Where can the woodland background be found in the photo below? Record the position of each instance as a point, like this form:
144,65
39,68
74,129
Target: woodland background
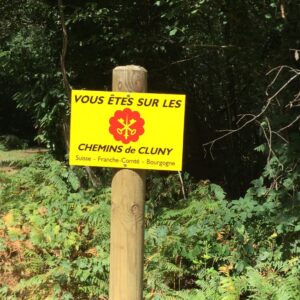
236,234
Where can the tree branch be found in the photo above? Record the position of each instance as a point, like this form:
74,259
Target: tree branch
182,185
254,118
66,128
64,50
289,125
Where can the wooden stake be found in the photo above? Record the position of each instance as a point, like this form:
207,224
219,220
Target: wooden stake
127,218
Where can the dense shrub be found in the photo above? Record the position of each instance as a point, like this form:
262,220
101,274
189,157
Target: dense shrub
55,240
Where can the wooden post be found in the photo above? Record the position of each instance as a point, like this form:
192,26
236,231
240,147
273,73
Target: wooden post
127,218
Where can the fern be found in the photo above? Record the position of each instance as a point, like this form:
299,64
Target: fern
55,237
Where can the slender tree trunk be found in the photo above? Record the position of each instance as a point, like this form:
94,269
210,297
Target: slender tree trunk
94,179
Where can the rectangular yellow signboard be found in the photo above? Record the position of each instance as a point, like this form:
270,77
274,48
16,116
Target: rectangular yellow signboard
127,130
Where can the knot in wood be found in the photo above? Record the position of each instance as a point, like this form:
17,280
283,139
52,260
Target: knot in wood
135,209
120,85
138,85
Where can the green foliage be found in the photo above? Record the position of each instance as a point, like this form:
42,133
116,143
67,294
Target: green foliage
59,234
216,52
8,142
204,247
220,250
55,232
31,62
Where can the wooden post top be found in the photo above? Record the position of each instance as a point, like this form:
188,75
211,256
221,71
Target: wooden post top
129,78
130,67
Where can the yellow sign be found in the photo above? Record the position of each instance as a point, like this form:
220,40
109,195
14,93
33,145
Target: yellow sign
127,130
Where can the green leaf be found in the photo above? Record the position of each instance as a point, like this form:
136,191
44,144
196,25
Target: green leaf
173,32
3,53
218,191
261,148
261,191
297,227
288,183
74,181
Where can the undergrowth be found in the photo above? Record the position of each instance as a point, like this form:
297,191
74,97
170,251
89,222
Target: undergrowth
55,239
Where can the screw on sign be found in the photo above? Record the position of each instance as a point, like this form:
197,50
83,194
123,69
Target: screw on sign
126,125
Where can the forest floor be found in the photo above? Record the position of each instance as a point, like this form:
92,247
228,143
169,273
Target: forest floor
11,160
